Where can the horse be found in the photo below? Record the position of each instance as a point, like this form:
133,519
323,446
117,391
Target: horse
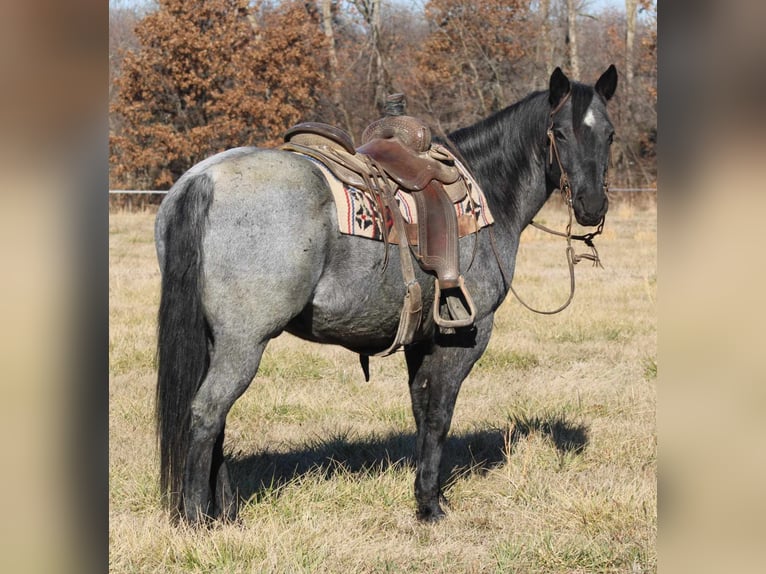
248,247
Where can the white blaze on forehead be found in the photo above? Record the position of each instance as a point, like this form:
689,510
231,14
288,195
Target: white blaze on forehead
589,119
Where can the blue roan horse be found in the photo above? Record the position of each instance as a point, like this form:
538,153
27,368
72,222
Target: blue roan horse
249,247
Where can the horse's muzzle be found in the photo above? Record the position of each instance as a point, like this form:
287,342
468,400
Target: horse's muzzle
589,212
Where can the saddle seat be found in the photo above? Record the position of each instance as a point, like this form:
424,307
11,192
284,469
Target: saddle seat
410,169
397,152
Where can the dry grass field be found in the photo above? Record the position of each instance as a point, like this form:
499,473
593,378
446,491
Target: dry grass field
552,449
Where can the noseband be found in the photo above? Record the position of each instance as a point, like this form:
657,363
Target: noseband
566,193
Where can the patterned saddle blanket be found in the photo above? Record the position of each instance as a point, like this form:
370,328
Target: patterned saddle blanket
360,214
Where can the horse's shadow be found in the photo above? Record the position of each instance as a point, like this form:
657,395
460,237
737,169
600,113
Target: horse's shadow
465,454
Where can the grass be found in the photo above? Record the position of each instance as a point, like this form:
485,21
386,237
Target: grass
551,457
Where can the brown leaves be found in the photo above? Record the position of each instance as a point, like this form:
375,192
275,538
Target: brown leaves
471,50
203,81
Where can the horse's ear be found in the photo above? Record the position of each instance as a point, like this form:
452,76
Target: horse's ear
607,83
559,87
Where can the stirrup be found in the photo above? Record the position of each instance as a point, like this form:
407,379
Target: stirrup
460,317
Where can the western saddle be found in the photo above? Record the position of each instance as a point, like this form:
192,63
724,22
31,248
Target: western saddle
397,153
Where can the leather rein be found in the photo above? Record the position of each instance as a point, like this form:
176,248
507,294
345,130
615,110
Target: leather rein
587,238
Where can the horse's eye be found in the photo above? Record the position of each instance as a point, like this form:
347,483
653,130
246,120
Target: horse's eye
559,134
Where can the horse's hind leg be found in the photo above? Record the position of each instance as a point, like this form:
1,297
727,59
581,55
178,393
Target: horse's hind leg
436,374
224,501
206,489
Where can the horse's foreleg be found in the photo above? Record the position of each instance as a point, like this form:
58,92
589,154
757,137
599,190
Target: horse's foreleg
433,404
435,377
207,491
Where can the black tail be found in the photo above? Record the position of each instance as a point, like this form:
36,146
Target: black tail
183,334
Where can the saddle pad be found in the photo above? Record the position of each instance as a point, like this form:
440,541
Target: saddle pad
359,213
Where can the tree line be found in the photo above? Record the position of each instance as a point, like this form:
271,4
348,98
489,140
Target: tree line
189,78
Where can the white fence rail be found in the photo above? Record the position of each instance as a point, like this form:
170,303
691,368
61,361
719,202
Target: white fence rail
135,191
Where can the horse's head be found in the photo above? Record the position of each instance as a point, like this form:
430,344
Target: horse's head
580,135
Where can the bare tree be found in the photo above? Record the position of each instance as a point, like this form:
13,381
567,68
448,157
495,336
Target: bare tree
337,98
122,39
630,38
571,39
377,73
544,49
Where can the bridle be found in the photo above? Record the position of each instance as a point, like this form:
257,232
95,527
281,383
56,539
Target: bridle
566,193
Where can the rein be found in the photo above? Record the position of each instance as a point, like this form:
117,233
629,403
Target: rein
587,238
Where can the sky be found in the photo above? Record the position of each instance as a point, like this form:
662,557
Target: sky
619,4
608,4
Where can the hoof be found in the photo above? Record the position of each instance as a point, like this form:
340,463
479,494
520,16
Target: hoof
194,514
226,511
430,515
225,504
195,518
